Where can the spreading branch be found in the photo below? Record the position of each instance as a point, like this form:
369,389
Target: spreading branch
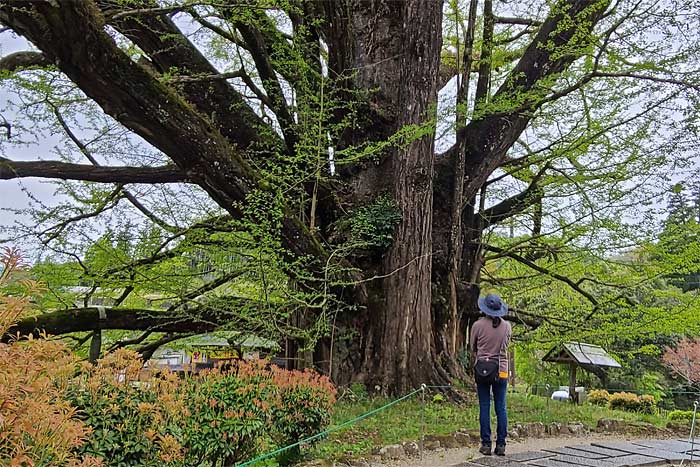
532,265
10,169
491,135
24,59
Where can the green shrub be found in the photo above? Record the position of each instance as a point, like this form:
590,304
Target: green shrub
300,408
647,404
632,402
599,397
131,425
681,415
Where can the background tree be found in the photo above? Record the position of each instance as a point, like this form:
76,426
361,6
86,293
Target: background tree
684,360
383,249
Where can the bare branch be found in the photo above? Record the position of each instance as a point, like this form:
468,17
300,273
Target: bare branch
124,342
532,265
521,21
656,79
86,152
149,349
107,203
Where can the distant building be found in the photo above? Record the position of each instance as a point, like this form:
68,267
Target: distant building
207,350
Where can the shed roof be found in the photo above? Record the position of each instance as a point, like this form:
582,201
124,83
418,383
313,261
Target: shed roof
226,339
583,354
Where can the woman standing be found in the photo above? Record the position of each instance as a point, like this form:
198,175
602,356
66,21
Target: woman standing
489,340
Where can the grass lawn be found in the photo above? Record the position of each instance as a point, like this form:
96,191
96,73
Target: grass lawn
402,422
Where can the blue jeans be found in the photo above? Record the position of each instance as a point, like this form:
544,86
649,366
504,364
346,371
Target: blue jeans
499,389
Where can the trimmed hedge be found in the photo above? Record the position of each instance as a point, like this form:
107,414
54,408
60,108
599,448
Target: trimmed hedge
632,402
599,397
623,401
681,415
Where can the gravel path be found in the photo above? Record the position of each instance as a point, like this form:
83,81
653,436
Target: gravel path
451,457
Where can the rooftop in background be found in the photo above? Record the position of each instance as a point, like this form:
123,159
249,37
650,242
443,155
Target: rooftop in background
583,354
225,339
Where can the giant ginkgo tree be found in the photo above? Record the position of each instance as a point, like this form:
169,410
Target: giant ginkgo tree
307,131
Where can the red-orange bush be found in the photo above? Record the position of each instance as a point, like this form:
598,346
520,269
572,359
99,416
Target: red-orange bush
37,425
219,417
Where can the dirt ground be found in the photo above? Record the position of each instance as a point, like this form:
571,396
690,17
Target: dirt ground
451,457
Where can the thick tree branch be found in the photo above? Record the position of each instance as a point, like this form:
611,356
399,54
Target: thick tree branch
169,50
512,206
515,204
130,319
72,34
258,49
26,59
10,169
492,134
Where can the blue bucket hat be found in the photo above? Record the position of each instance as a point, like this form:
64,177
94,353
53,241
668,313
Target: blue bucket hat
493,306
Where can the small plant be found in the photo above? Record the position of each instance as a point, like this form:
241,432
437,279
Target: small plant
681,415
599,397
374,224
215,417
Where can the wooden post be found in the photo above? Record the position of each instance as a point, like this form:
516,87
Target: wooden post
572,383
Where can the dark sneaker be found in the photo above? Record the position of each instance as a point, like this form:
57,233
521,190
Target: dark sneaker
485,449
500,450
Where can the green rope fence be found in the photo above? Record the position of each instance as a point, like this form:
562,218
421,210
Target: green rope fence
262,457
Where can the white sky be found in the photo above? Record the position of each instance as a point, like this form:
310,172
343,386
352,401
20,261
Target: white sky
11,191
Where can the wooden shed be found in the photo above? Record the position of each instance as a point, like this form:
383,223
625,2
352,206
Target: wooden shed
577,354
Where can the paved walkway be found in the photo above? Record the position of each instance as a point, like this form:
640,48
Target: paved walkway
641,452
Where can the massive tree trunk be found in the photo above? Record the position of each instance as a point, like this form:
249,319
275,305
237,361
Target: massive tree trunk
405,355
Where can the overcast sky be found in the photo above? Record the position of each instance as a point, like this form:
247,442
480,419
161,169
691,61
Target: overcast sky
12,195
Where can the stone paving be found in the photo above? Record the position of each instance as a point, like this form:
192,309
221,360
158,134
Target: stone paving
643,452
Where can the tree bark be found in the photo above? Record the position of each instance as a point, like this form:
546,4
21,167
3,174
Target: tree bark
401,355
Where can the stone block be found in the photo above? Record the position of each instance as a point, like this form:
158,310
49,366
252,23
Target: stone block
392,451
577,429
553,429
611,425
431,445
534,430
410,448
465,439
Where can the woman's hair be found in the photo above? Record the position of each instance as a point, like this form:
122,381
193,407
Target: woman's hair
495,320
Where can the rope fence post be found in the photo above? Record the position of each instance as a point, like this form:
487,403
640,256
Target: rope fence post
691,437
423,387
